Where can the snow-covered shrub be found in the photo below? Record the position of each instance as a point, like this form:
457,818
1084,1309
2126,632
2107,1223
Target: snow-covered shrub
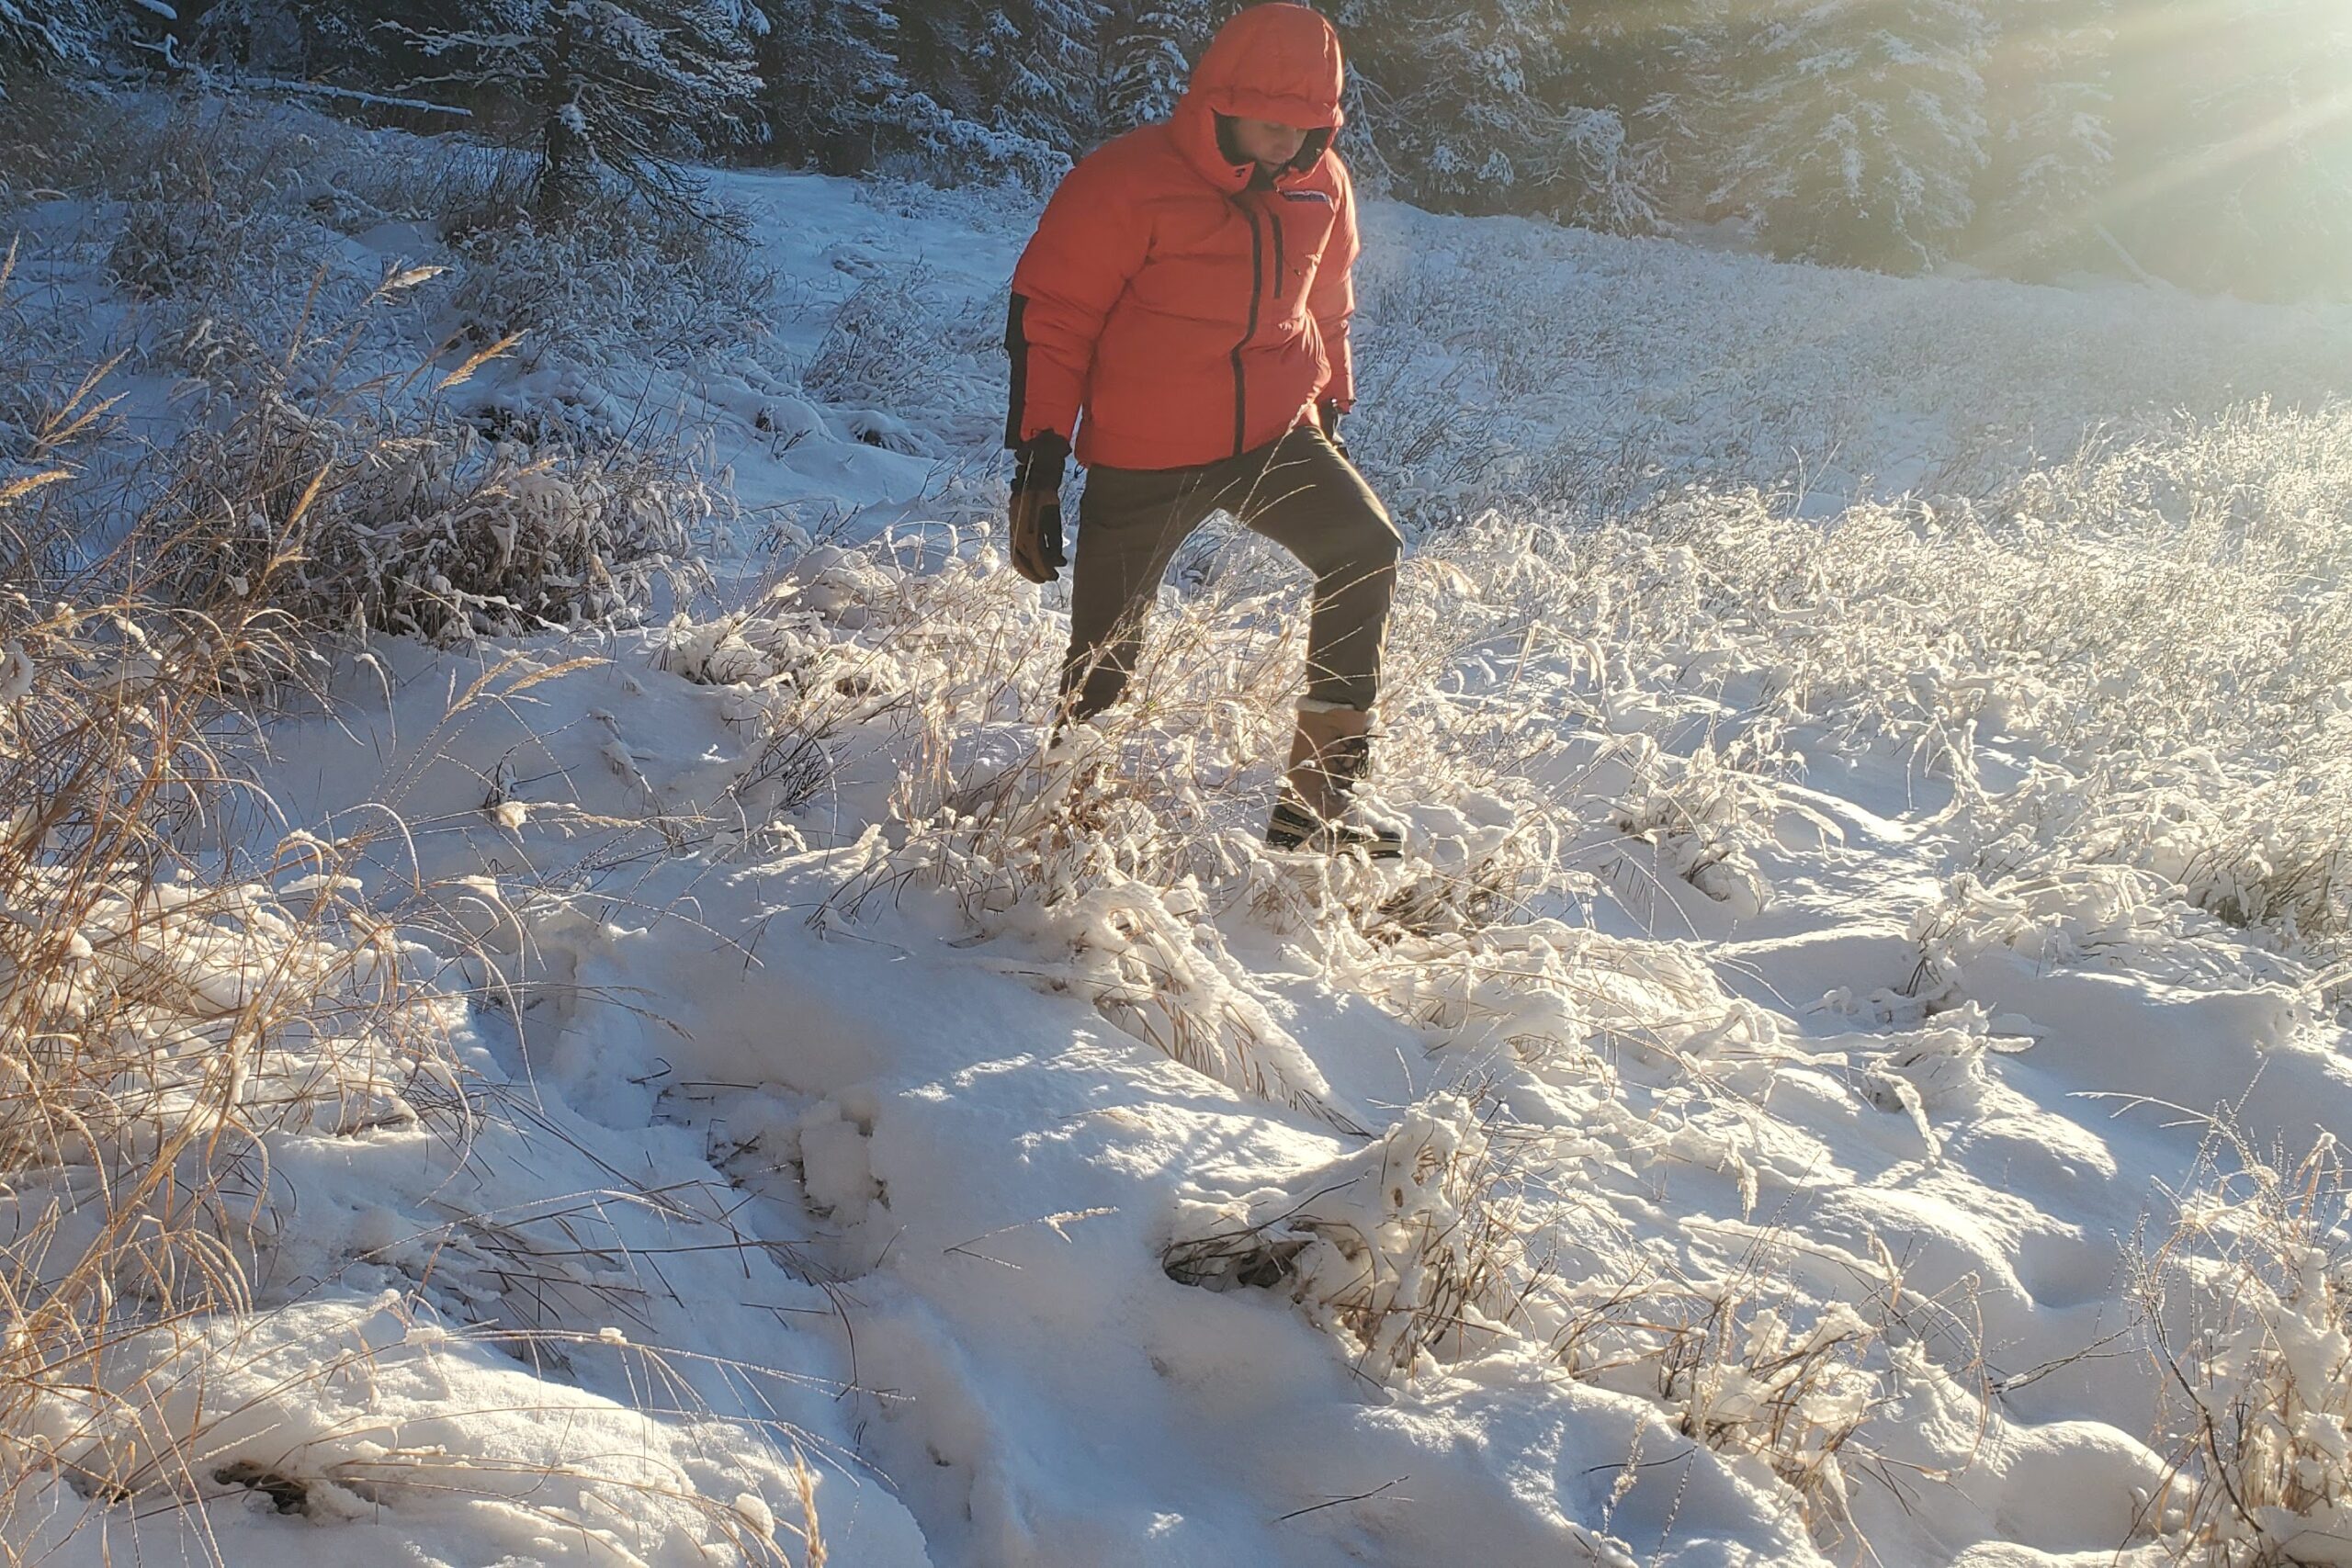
1160,972
878,346
1113,853
48,405
419,524
614,285
55,136
1415,1250
1407,1250
908,357
206,198
2247,1309
1709,817
1741,1376
219,223
2255,844
1746,1360
1554,997
2204,748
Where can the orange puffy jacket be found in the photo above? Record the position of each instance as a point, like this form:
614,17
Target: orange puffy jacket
1193,307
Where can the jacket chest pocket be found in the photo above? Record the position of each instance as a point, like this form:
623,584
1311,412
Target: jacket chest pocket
1302,222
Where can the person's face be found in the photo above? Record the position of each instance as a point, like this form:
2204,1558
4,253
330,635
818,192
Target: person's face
1271,144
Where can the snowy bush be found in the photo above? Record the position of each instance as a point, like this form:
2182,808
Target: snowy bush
2205,749
2249,1311
1739,1375
222,216
344,1410
875,350
48,405
1404,1248
910,359
189,1026
1709,817
419,524
611,286
204,199
56,136
1415,1250
1122,866
1116,851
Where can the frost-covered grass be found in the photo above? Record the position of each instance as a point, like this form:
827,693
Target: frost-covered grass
357,516
206,1021
213,1026
165,1006
2248,1304
1564,692
1123,864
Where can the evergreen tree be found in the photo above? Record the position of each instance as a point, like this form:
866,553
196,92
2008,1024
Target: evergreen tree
625,88
1469,104
1862,134
828,70
40,35
1661,67
1037,59
2053,150
346,42
1147,50
997,89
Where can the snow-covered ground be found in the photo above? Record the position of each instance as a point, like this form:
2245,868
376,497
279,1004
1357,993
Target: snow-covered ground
1833,1081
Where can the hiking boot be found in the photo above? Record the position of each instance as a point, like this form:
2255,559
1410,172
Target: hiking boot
1329,754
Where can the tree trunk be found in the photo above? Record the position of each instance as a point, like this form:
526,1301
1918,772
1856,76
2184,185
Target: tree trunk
565,151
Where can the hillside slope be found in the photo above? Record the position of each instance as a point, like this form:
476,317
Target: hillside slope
1847,1066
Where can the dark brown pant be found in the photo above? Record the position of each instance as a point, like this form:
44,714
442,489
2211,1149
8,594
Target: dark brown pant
1300,493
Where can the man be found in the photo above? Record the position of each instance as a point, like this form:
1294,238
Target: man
1188,292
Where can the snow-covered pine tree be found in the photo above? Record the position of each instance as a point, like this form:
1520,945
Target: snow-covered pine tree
1038,60
1860,137
626,87
2049,97
997,89
1147,50
346,42
828,70
1469,104
1661,66
45,34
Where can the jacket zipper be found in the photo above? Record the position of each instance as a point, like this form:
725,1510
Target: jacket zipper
1257,291
1274,221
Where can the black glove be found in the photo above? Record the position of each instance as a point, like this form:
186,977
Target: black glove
1036,533
1328,416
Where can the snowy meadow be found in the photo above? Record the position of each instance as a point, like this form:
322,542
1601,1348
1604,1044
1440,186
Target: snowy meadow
557,1005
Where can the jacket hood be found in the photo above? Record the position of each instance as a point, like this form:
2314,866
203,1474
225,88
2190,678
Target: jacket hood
1278,63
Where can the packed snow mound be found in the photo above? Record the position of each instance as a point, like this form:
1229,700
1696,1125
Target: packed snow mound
356,1416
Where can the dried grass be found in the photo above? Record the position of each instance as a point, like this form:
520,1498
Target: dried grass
2248,1310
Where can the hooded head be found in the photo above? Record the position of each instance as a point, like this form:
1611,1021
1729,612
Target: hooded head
1278,63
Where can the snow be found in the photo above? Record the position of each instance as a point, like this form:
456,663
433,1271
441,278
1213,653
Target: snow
1704,1150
